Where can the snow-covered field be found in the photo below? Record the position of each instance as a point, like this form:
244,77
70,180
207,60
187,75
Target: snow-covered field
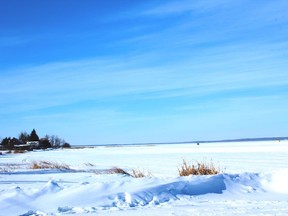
254,181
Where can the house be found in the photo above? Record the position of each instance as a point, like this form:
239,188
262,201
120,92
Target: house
28,145
33,144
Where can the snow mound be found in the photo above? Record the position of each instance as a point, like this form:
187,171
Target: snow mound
258,182
50,187
278,182
34,213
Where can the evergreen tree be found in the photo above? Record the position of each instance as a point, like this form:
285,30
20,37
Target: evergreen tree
23,136
9,143
33,136
5,142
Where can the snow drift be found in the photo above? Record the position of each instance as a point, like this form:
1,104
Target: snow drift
126,192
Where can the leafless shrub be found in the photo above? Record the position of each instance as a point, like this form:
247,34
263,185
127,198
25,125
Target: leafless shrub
201,168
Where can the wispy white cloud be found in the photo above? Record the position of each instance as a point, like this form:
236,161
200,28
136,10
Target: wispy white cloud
266,11
176,7
71,82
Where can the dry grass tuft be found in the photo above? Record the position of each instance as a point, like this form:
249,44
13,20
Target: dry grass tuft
49,165
9,167
136,173
4,170
19,151
89,164
201,168
117,170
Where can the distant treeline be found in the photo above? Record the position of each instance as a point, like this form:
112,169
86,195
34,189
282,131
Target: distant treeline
31,141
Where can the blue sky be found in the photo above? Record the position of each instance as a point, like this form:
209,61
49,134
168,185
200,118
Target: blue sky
95,72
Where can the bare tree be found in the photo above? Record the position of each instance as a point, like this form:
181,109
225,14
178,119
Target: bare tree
55,141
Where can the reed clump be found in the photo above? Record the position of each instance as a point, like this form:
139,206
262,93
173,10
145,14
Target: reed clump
135,173
200,168
49,165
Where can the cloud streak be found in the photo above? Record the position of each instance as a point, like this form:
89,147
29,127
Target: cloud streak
71,82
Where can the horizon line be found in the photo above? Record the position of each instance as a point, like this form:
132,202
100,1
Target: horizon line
195,141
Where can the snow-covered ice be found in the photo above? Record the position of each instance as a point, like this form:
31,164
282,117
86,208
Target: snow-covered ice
254,181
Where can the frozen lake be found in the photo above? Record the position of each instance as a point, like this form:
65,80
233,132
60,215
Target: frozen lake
255,177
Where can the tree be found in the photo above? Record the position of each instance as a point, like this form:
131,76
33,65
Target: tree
44,143
66,145
8,143
55,141
23,136
33,136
